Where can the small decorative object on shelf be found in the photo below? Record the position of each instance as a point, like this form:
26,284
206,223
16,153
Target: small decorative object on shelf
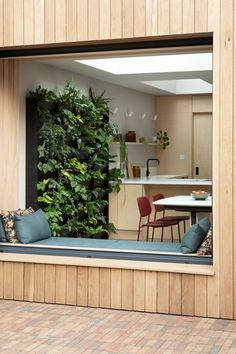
130,136
162,139
136,171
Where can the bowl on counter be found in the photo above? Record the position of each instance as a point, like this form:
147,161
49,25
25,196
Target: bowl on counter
199,195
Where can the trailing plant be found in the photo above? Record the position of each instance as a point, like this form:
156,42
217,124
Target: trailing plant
73,158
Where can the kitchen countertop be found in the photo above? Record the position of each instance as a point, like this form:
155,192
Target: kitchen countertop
177,180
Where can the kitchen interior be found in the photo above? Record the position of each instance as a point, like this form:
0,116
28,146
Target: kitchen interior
167,91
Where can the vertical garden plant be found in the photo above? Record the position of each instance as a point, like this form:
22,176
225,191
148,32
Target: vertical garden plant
73,158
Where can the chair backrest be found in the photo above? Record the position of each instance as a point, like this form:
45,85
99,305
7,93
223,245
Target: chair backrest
158,208
144,206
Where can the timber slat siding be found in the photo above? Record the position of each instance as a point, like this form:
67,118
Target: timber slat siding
104,287
26,22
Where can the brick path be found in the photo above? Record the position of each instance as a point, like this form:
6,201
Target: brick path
43,328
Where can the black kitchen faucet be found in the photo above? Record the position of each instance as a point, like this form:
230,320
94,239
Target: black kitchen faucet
147,170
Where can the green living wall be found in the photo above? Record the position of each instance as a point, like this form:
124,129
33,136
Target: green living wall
73,178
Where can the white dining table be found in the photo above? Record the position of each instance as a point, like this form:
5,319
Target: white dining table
187,203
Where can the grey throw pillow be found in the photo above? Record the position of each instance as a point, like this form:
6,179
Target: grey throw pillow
192,239
32,228
206,246
205,224
2,232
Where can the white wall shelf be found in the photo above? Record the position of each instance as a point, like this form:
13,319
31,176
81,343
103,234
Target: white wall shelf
136,143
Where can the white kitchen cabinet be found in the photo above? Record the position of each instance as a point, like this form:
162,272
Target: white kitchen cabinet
123,208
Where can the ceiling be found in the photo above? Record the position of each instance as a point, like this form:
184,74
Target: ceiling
155,83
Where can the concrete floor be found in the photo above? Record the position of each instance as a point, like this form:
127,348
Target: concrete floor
43,328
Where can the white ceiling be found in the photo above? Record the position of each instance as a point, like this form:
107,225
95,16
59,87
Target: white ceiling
155,83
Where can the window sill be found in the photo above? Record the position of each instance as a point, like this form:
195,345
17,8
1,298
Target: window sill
110,263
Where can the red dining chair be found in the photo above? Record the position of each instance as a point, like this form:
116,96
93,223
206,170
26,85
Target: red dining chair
161,208
145,210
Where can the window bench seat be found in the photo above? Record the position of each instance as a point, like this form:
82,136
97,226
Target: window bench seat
108,249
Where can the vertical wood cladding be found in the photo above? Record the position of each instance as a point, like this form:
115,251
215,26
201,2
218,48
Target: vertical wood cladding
53,21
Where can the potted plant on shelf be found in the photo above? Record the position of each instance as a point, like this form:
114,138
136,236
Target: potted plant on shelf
73,158
162,139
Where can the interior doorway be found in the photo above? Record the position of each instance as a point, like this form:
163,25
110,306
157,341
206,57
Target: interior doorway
202,145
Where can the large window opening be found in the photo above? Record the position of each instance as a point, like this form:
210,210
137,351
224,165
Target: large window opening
161,103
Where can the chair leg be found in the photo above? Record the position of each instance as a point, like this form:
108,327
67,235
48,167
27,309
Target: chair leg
139,229
172,234
153,230
179,232
184,227
147,232
162,233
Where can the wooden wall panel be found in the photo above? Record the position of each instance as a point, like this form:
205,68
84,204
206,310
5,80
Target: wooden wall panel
9,126
50,283
60,20
187,296
18,18
116,19
39,21
105,288
29,282
175,16
8,287
234,164
71,285
116,288
1,280
163,20
212,15
93,19
201,11
175,293
71,20
127,288
29,21
139,290
128,18
82,286
150,291
8,22
163,292
151,17
225,193
39,282
93,287
200,297
82,20
18,281
188,16
105,19
60,287
139,18
49,17
1,23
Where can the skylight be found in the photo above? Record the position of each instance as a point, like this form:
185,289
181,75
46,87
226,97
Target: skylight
181,87
152,64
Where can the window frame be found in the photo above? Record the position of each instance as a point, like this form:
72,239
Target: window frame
108,48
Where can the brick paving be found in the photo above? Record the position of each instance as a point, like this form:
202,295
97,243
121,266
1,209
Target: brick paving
43,328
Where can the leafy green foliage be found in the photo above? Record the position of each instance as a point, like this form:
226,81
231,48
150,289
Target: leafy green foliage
162,139
73,158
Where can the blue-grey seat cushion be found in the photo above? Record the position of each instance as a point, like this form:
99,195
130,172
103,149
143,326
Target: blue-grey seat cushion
2,232
69,242
32,228
192,239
